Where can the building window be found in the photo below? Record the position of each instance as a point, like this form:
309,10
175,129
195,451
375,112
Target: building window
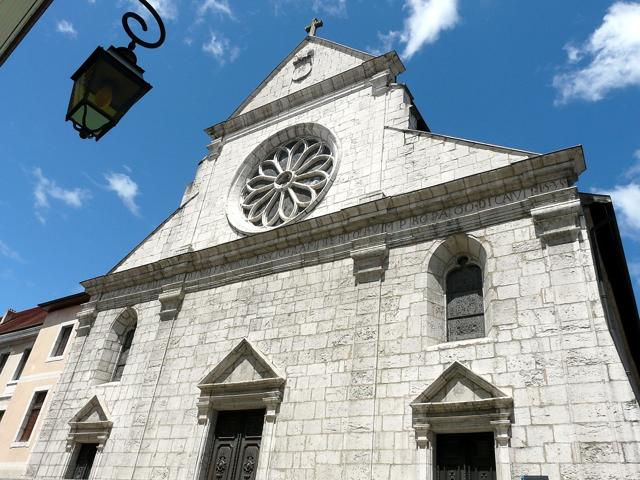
63,339
23,362
124,355
3,360
32,416
84,461
465,310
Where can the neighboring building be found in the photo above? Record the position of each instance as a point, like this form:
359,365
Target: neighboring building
33,348
16,19
343,294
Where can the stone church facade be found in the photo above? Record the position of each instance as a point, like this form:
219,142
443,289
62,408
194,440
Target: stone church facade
343,294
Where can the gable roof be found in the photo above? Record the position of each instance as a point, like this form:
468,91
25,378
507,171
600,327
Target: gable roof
15,321
307,40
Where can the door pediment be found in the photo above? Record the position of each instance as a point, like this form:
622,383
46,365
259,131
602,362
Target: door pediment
91,424
243,379
461,401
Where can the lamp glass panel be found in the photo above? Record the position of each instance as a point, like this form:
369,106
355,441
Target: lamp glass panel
112,89
94,119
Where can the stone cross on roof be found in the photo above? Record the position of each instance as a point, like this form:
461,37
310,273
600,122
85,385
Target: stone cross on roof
315,24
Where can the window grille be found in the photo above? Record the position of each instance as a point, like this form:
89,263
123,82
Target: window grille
465,310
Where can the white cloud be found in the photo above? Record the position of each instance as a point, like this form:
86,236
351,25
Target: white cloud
626,199
574,54
426,21
8,252
47,190
217,6
337,8
66,28
634,170
167,9
221,49
125,188
613,56
634,271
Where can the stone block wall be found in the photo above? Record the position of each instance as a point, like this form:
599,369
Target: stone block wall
356,355
373,159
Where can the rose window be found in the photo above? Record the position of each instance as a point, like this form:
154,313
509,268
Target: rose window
288,182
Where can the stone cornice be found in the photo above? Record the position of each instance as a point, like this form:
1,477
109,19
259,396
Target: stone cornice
388,61
462,204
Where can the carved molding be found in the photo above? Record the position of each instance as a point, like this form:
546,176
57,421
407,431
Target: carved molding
326,239
220,389
170,301
215,149
459,401
302,65
90,425
559,223
370,258
422,434
86,317
380,83
501,429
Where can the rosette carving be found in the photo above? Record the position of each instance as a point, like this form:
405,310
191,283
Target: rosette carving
288,182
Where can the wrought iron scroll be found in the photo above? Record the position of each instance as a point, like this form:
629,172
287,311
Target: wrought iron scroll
143,24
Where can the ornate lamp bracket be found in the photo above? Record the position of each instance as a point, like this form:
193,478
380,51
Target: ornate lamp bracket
143,24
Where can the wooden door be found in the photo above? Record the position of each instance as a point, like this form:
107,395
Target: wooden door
236,445
467,456
84,461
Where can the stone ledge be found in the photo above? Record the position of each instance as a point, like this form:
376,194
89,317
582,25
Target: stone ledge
546,174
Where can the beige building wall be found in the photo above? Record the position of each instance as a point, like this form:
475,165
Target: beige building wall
41,373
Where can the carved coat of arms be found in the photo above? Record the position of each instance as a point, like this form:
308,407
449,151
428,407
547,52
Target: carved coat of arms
302,64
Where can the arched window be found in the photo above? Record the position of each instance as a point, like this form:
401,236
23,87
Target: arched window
465,309
124,354
114,349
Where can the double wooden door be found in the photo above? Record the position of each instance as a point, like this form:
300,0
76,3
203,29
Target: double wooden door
467,456
236,445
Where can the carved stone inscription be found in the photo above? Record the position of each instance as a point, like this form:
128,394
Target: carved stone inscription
336,243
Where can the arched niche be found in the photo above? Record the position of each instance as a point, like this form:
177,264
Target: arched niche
124,322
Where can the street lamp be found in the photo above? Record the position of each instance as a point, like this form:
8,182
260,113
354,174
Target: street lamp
109,82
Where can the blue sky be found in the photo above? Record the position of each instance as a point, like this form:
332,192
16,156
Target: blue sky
534,75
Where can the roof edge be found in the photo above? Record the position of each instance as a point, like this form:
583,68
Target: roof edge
474,143
64,302
389,61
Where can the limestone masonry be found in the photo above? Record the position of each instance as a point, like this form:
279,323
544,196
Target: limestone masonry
343,294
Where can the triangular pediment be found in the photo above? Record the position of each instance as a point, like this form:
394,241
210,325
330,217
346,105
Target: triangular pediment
458,384
313,60
245,364
93,411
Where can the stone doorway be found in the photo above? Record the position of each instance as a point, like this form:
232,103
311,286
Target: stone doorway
236,445
465,456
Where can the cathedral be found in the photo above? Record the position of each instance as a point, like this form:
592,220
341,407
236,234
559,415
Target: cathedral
344,294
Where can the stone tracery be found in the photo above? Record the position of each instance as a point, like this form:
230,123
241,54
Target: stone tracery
288,182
